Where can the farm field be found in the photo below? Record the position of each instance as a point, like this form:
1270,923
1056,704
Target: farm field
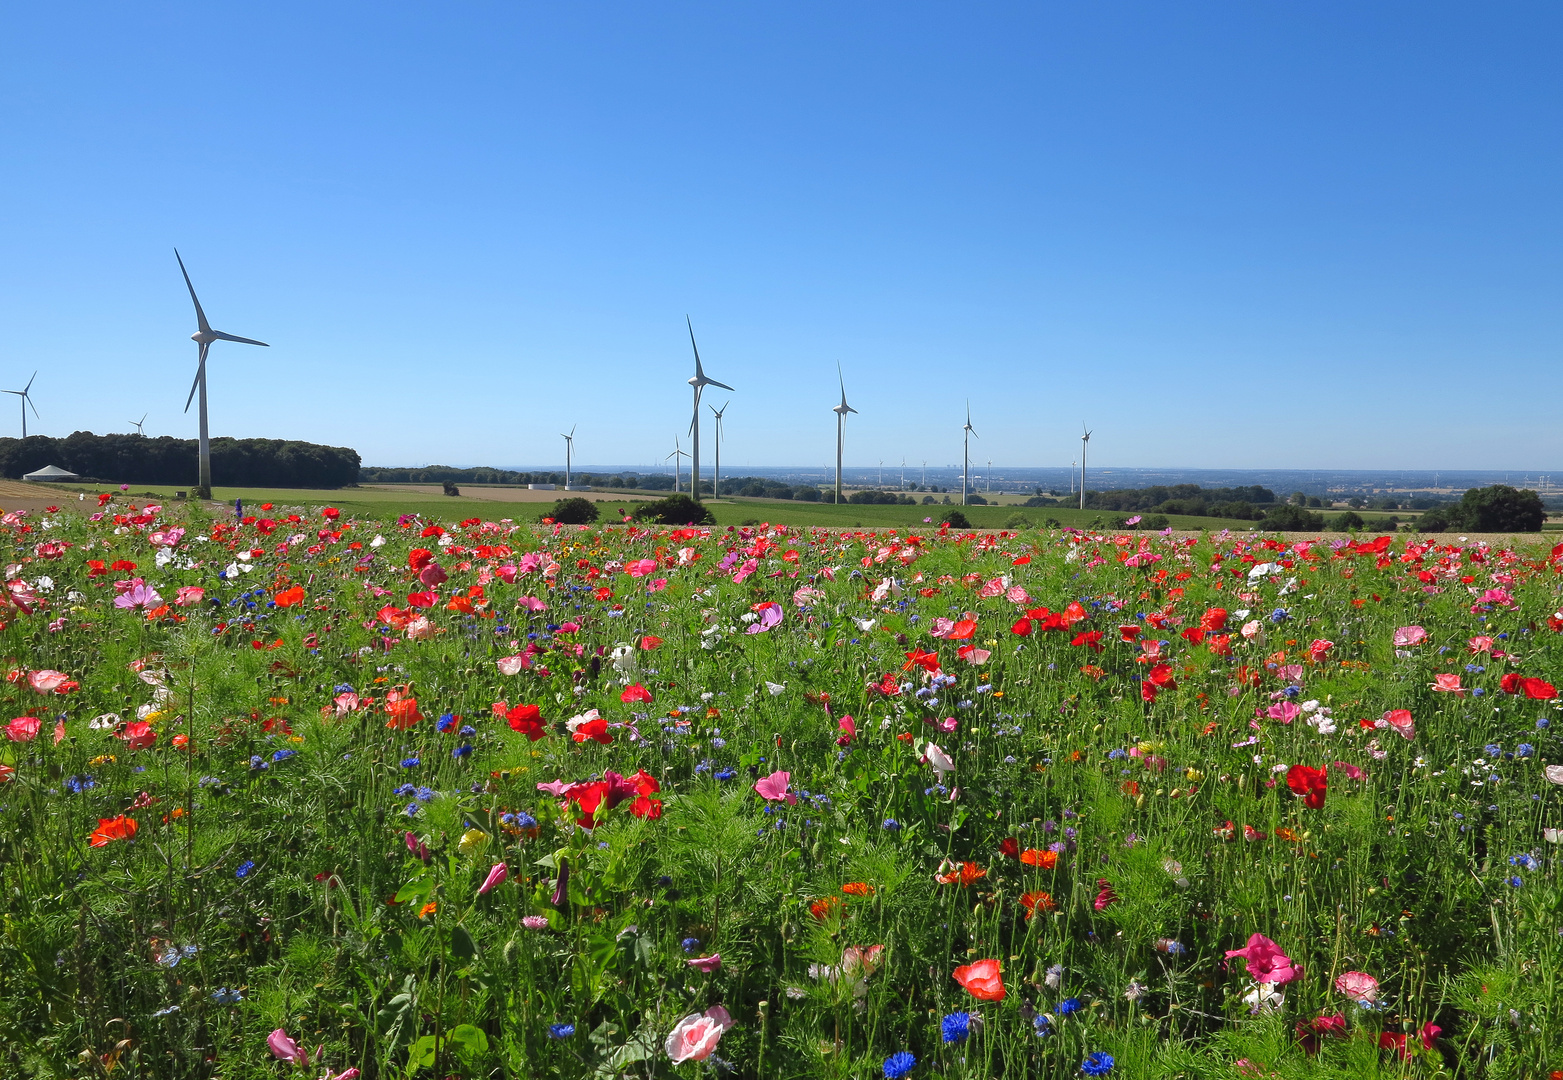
440,796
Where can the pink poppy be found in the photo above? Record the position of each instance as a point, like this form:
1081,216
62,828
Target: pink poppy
47,682
513,665
1349,769
531,603
189,594
640,567
22,729
973,655
1449,684
1357,985
773,788
1409,635
696,1036
495,876
1400,720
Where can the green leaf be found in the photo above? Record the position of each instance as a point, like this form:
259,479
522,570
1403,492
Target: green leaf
469,1039
461,944
420,887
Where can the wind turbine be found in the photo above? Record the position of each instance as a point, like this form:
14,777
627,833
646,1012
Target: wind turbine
1085,444
26,401
989,477
716,480
678,457
203,337
139,425
966,453
841,421
569,446
699,381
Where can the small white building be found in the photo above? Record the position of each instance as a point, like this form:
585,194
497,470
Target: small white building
50,474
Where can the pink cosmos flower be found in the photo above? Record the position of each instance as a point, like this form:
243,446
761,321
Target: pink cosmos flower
495,876
286,1049
1357,985
1266,962
770,619
1409,635
696,1036
1284,711
140,595
773,788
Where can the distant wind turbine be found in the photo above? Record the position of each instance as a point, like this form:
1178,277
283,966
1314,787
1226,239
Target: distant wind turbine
26,402
203,337
678,455
841,420
569,447
139,425
716,481
1085,444
970,432
699,381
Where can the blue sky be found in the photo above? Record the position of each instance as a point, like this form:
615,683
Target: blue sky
1265,235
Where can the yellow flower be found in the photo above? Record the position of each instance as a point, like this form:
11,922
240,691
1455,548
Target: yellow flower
472,841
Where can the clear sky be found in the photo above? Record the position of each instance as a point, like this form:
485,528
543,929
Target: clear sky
1242,235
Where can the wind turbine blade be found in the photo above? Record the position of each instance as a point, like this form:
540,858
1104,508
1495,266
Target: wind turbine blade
200,369
698,373
723,385
29,400
240,340
572,430
29,385
200,316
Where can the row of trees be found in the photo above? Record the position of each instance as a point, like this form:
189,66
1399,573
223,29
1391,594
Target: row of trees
136,459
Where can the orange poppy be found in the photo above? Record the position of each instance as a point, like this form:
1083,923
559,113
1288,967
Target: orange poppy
963,875
111,829
857,888
982,980
1039,857
289,597
1031,901
823,909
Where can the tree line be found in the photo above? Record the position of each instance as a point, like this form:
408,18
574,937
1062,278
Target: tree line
136,459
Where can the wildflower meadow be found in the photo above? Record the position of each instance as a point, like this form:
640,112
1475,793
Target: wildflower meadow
291,793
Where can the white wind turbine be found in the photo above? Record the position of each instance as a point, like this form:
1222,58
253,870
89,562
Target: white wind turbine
26,402
716,480
569,447
970,433
699,381
678,455
841,420
203,337
1085,444
140,425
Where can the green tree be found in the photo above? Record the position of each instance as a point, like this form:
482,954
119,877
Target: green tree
1500,508
677,509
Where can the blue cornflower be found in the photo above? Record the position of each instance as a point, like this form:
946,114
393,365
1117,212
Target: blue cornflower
956,1027
461,751
424,794
560,1031
890,824
1492,749
244,868
224,996
412,809
78,784
1280,614
1524,862
1116,753
467,731
899,1064
1068,1005
410,763
1524,749
283,755
724,774
525,820
1042,1023
1097,1064
258,762
690,944
405,789
445,722
1543,724
1516,881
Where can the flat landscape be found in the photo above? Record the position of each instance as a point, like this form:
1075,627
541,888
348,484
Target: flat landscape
408,796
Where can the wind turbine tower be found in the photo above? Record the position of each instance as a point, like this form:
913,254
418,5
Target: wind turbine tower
716,479
26,402
678,455
841,420
203,337
140,425
1085,444
966,452
699,381
569,447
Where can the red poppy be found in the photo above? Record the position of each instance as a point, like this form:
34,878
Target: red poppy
331,513
138,735
402,710
1128,633
1193,636
1021,627
418,558
650,641
1308,782
857,888
1091,639
962,630
982,980
593,729
1010,846
421,599
528,720
95,568
928,661
111,829
1213,619
1106,898
123,566
289,597
635,693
